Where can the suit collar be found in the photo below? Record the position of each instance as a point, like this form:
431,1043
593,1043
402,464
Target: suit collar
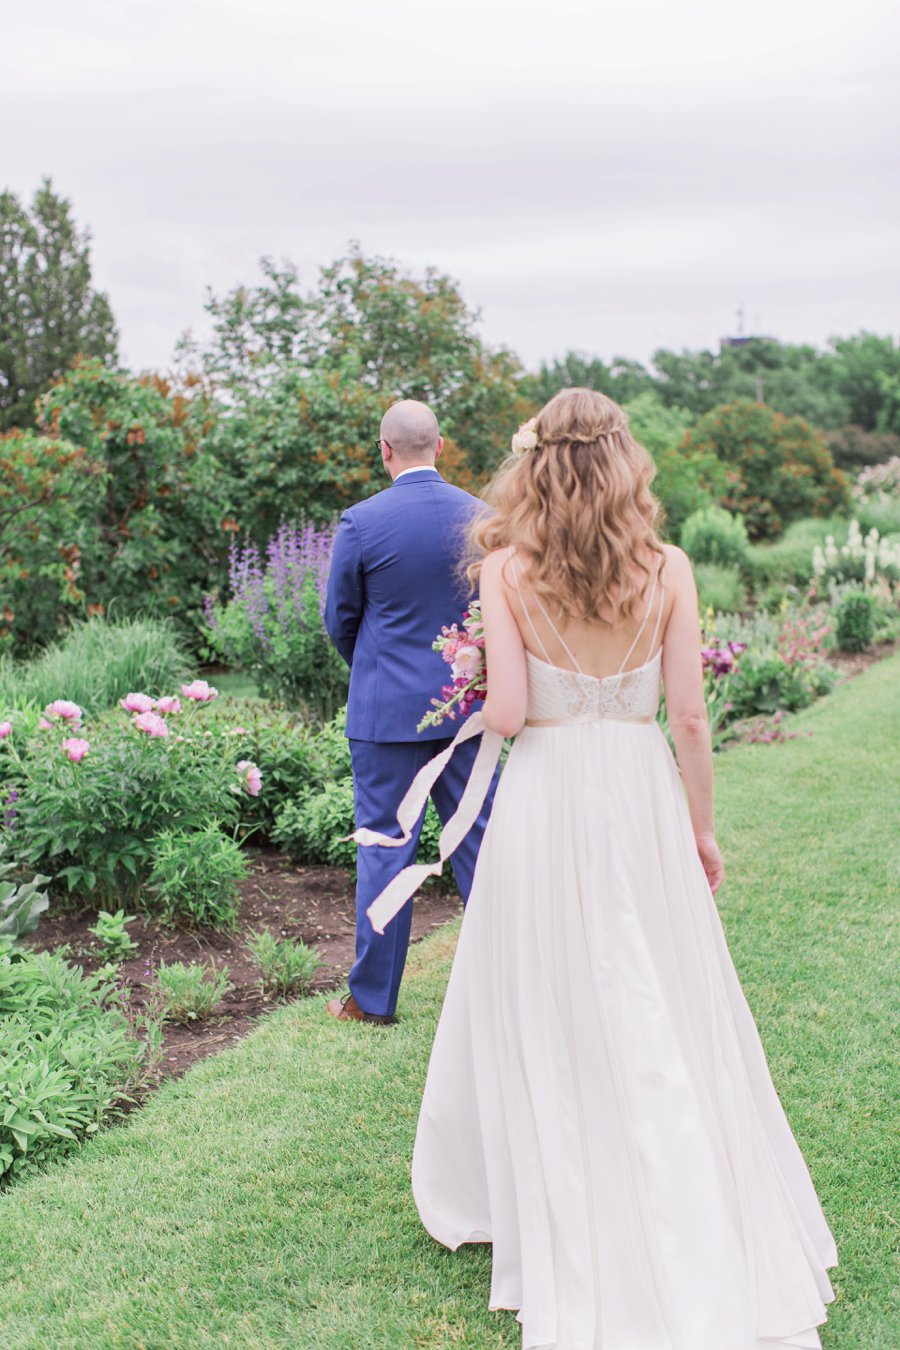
421,476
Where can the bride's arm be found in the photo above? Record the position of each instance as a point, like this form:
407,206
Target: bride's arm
504,707
686,708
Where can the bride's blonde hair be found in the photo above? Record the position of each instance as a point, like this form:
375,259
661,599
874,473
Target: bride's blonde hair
579,505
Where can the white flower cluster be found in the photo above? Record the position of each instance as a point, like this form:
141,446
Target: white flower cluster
879,481
876,554
525,439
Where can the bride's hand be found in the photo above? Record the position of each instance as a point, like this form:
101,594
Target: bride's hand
711,858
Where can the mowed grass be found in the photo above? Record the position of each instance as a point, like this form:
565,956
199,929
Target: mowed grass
263,1200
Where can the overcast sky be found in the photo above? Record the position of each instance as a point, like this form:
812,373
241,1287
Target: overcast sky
611,176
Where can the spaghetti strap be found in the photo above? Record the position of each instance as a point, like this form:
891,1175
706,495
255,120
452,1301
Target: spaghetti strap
662,603
637,637
550,624
537,637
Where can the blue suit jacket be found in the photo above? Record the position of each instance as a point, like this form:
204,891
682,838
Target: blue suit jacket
393,585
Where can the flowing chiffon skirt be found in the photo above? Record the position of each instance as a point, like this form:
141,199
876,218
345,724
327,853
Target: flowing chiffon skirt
598,1104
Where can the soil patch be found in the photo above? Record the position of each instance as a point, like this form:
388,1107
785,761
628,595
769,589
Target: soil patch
316,904
854,663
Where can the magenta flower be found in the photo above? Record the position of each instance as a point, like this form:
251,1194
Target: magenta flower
139,703
170,704
5,730
75,748
238,731
66,711
250,776
151,723
199,691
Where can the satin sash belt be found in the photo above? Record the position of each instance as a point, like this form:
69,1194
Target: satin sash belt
584,720
404,885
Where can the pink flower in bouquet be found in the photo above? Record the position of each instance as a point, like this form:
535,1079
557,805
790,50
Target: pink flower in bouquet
467,662
250,776
75,748
199,691
139,703
5,730
66,711
170,704
151,724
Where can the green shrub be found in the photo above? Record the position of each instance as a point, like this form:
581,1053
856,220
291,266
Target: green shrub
712,535
191,991
783,564
766,683
286,965
21,905
92,824
314,828
98,663
110,931
67,1056
719,588
194,876
855,622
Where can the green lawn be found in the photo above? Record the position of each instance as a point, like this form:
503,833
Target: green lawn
263,1200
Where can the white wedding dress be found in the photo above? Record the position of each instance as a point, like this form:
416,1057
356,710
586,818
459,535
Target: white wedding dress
598,1104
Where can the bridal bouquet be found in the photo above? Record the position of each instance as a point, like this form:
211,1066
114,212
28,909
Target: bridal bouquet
462,647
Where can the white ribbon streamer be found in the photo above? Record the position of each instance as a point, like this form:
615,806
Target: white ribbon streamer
404,885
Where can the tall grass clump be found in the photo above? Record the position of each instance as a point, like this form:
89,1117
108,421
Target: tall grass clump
97,663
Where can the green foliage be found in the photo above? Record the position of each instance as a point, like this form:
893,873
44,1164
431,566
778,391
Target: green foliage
779,468
685,481
92,824
622,379
314,827
853,448
286,965
855,622
766,683
97,663
191,991
194,876
111,933
156,537
49,310
712,535
719,588
46,487
21,905
67,1055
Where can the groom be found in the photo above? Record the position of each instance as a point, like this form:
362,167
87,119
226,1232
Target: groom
391,588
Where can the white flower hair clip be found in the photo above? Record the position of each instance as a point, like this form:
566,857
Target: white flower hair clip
526,438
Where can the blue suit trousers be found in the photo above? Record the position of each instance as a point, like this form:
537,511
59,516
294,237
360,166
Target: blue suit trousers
382,772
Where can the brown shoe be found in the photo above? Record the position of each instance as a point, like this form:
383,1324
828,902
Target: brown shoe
347,1009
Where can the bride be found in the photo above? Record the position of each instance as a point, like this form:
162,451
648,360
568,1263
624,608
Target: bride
598,1105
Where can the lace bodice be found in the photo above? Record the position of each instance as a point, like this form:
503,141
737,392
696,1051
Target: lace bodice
556,695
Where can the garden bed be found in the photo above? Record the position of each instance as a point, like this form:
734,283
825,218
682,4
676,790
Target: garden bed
315,904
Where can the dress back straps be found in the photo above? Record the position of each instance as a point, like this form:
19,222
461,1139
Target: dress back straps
516,571
657,577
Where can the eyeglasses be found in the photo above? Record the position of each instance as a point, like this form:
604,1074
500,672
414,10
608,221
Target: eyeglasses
380,442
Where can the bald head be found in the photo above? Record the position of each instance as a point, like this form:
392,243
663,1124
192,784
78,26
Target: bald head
411,430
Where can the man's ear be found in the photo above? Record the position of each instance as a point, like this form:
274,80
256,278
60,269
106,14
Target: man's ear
437,453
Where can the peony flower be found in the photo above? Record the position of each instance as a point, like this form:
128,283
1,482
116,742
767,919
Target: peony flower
139,703
199,691
66,711
44,725
238,731
170,704
467,662
75,748
250,776
526,438
5,730
151,723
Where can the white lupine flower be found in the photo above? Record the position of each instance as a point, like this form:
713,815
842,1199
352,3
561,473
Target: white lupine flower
819,563
831,553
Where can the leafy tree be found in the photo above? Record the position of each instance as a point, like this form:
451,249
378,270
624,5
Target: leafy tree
865,371
395,335
779,468
622,380
164,518
853,449
47,487
686,480
49,311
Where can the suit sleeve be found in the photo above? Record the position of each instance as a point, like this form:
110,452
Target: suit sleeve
345,597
